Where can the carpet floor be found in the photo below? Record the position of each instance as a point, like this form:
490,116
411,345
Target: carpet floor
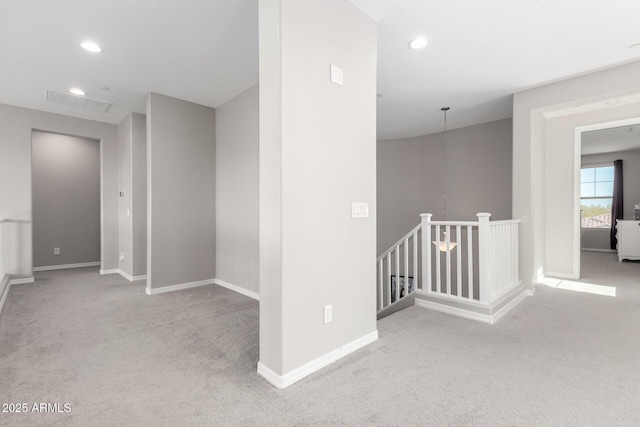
119,357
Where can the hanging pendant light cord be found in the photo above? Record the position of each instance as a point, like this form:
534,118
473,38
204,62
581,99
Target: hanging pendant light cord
444,181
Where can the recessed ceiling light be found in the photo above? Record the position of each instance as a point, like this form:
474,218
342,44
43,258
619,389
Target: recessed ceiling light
76,91
634,46
419,43
91,47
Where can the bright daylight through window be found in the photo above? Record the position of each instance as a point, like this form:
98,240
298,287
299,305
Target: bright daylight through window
596,195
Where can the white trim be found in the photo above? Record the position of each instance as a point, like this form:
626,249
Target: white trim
238,289
284,381
608,251
112,271
179,287
132,278
472,315
22,281
65,266
561,275
577,205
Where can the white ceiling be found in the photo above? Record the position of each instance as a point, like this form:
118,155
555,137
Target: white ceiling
620,138
206,51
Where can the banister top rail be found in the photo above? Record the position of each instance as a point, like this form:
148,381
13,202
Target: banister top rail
461,223
505,221
409,234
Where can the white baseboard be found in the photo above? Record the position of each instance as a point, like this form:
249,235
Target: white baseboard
609,251
284,381
22,280
132,278
173,288
65,266
237,289
112,271
472,315
8,283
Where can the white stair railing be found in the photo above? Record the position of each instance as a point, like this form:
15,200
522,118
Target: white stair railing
394,267
470,261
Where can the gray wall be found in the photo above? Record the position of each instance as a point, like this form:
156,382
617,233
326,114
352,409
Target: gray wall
237,210
132,146
139,193
317,155
125,230
66,199
15,181
598,238
181,200
411,176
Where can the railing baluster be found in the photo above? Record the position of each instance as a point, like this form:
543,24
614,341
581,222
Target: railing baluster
437,250
459,262
470,261
415,261
388,276
380,284
397,272
447,240
425,222
406,267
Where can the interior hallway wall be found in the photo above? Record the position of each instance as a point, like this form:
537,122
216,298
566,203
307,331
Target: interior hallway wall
132,154
237,208
411,172
181,193
317,156
66,199
15,181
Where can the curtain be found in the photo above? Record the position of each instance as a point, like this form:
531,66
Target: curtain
616,205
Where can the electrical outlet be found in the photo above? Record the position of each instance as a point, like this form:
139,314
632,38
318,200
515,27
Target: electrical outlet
328,314
122,256
56,251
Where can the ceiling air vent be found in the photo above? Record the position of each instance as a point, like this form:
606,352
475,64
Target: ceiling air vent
78,101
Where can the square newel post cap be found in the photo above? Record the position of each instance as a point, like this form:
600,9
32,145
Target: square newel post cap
483,215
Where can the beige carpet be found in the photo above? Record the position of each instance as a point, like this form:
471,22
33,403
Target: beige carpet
119,357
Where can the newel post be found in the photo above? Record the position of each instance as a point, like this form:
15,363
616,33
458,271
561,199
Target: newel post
484,257
425,221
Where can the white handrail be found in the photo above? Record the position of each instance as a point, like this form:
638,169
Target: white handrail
399,242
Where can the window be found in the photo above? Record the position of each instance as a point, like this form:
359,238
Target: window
596,196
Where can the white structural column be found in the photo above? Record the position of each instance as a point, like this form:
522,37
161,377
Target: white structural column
317,157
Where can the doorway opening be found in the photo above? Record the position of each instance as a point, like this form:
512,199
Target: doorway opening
66,201
597,147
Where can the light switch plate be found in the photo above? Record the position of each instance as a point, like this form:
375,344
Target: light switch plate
359,210
337,75
328,314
